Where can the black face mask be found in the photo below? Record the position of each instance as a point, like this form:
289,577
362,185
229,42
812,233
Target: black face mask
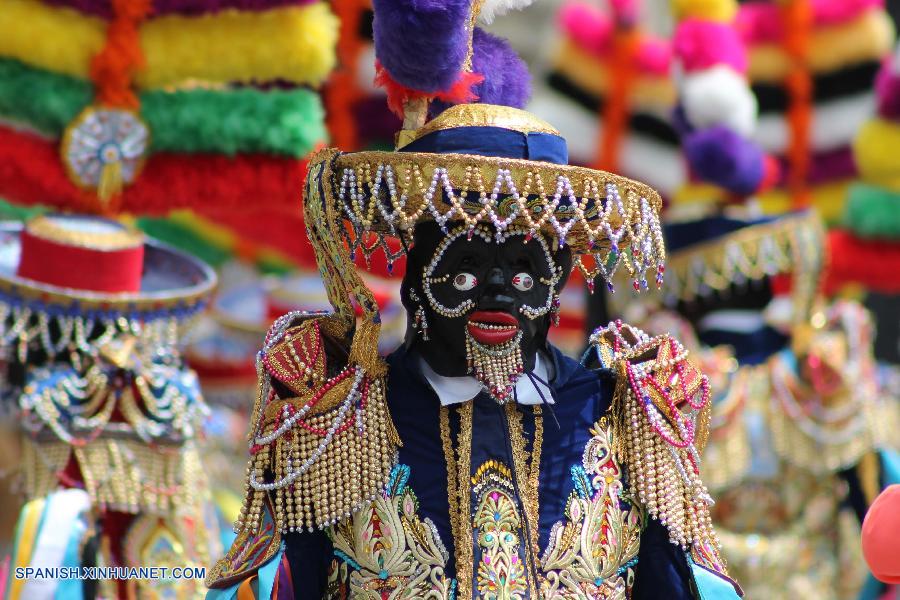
492,282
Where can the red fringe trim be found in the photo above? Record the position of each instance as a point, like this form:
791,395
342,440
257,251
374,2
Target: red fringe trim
398,94
854,261
31,173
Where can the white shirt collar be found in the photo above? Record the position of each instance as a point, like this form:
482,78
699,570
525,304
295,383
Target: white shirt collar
455,390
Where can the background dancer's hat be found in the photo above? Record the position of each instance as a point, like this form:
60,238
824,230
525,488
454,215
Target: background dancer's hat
715,243
93,268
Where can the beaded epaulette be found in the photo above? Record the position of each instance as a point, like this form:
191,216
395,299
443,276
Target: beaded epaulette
322,443
660,417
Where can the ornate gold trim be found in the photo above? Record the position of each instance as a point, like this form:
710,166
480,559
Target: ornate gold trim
125,475
459,493
125,237
485,115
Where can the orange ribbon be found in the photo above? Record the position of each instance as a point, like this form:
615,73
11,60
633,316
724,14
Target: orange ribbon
615,111
797,16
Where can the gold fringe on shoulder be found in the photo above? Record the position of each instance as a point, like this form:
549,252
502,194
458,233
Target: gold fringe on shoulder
660,414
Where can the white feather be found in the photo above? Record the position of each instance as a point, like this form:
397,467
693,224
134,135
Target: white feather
494,8
719,96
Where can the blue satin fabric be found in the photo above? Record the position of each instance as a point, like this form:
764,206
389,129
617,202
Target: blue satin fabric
684,235
493,141
711,586
749,348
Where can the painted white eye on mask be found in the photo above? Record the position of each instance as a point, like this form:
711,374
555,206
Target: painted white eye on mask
523,282
464,282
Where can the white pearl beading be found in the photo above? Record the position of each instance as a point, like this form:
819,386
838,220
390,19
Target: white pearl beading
169,395
353,398
363,200
26,329
428,273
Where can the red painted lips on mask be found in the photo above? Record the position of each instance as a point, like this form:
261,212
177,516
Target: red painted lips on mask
492,328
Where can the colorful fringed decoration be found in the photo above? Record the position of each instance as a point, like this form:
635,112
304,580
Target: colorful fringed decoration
717,110
812,65
152,105
609,92
866,250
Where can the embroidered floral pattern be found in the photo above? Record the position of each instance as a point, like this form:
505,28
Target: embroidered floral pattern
388,552
593,552
501,571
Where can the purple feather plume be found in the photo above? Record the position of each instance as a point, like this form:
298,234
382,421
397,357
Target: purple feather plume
506,77
721,156
422,43
103,8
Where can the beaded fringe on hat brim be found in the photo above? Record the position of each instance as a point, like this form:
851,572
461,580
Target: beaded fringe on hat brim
608,218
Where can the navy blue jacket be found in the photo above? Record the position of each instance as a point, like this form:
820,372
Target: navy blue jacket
581,398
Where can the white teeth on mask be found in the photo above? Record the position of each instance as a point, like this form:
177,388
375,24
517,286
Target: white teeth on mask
495,327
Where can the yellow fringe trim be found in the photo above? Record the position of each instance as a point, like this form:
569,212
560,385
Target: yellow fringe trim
293,43
828,199
590,74
713,10
868,37
700,200
699,193
875,152
120,474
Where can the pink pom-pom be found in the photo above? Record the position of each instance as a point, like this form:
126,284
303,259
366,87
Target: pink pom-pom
591,30
587,26
626,11
887,88
654,57
703,44
835,12
760,22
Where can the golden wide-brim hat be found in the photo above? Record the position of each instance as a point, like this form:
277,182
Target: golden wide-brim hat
477,165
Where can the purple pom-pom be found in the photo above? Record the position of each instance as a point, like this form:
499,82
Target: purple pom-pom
422,44
506,78
721,156
887,87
